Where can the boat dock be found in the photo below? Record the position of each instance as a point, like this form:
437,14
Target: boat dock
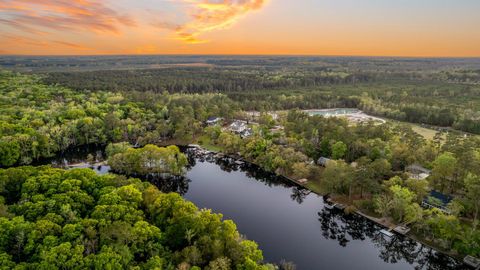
330,206
472,262
403,230
386,233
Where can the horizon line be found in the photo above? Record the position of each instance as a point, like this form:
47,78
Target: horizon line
259,55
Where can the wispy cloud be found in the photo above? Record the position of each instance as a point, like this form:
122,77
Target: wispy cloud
210,15
71,45
18,39
55,23
42,15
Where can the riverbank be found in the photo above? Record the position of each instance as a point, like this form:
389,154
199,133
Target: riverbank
349,207
266,207
388,224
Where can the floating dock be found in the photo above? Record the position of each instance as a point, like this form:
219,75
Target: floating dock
330,206
303,181
386,233
472,262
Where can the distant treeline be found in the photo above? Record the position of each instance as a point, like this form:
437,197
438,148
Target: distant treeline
448,98
130,62
200,80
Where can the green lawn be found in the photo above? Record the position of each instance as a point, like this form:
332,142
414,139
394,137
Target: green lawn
427,133
205,142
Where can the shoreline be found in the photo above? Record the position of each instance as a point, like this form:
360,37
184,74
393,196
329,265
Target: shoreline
377,221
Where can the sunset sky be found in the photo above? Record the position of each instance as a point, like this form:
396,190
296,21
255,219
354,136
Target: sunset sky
304,27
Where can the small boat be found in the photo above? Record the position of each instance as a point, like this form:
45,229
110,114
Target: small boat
194,146
239,162
330,206
339,206
386,233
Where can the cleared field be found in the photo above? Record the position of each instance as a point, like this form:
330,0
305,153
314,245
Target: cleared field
427,133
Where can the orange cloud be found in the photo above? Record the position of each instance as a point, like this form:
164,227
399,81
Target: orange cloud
33,15
16,39
209,15
71,45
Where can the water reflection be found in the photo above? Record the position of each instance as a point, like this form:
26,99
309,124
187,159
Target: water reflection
178,184
321,229
299,194
343,228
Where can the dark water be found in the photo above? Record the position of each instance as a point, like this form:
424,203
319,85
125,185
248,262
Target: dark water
290,223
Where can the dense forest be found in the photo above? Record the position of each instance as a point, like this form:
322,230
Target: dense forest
436,92
57,219
131,62
38,121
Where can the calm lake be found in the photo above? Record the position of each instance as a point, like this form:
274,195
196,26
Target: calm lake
290,223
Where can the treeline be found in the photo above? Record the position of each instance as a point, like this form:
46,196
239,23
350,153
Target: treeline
37,120
148,160
443,105
420,97
266,150
388,65
199,79
468,76
57,219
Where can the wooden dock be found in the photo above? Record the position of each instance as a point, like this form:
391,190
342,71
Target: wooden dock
403,230
472,262
387,233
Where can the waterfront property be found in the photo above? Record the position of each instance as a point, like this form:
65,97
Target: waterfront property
266,207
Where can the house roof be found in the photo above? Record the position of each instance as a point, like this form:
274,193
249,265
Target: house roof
213,119
415,168
323,160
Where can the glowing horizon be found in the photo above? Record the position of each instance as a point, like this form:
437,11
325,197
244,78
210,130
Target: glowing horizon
407,28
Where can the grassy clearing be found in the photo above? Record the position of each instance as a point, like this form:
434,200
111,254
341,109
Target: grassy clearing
427,133
315,187
206,143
